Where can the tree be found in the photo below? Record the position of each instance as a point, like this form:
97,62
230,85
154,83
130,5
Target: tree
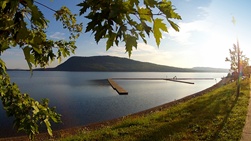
238,64
243,69
23,25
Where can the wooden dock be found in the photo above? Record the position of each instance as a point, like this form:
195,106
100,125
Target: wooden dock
116,87
181,80
163,79
175,80
122,91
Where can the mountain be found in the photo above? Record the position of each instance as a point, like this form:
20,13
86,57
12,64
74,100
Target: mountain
111,63
209,69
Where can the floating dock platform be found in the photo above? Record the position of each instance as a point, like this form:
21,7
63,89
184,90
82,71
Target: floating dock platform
122,91
166,79
175,80
116,87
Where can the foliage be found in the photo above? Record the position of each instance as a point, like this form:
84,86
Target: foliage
23,25
216,115
29,114
234,61
128,20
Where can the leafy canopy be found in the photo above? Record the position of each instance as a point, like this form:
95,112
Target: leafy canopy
23,25
128,20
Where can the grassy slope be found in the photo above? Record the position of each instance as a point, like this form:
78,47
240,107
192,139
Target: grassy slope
217,115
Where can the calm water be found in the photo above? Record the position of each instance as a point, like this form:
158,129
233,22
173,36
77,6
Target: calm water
86,97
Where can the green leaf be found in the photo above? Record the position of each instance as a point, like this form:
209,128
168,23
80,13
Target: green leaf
101,32
22,33
84,6
4,3
167,9
3,46
37,16
174,25
54,119
143,37
130,41
157,25
48,126
145,14
132,2
151,3
146,28
2,67
27,55
35,108
111,39
37,49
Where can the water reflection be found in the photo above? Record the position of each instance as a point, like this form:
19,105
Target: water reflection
100,82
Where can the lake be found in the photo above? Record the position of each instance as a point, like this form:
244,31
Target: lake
86,97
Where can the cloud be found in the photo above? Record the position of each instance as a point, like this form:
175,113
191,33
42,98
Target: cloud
184,36
144,53
191,10
58,35
204,12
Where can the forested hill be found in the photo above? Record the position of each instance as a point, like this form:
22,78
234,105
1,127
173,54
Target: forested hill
110,63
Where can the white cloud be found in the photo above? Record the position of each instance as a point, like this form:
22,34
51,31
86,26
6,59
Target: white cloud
144,53
58,35
186,29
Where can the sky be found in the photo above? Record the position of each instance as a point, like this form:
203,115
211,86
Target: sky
206,35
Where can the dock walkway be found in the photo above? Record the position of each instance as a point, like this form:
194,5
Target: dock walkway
166,79
116,87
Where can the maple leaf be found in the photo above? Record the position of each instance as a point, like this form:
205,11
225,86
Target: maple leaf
157,25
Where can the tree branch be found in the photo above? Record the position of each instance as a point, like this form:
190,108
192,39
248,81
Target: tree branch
46,6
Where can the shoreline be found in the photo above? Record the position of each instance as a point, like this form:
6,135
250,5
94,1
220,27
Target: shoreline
92,126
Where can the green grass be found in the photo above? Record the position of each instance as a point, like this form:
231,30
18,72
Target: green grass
217,115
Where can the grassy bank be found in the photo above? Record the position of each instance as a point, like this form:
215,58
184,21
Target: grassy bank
217,115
